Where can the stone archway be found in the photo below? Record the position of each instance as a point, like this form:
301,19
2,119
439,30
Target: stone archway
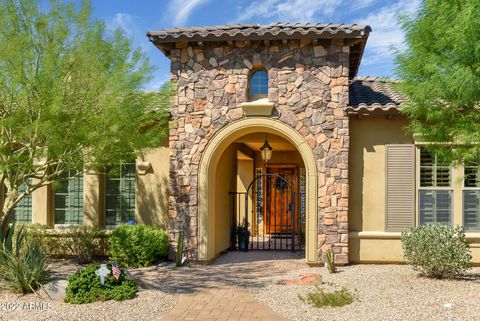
206,178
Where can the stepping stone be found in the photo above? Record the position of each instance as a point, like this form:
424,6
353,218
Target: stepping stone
309,279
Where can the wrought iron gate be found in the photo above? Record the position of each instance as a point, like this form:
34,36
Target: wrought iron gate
270,215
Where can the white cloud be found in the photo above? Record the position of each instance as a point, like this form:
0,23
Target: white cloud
123,21
387,32
288,10
181,10
133,28
360,4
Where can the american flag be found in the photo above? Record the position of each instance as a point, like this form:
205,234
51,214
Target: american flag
116,271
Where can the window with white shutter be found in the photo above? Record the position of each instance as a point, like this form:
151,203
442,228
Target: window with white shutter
471,197
435,192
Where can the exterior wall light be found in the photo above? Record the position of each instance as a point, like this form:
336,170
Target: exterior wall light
266,151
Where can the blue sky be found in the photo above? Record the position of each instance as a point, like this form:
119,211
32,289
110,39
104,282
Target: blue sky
139,16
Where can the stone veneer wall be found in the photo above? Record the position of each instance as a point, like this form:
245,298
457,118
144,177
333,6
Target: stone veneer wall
308,85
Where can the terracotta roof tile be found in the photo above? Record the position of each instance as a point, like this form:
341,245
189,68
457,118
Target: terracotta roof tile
371,94
259,32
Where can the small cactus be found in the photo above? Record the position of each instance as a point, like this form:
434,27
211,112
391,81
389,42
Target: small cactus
179,254
330,261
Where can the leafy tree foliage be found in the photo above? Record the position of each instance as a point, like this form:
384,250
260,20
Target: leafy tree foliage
440,73
70,96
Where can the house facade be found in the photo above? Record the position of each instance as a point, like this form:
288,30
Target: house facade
270,130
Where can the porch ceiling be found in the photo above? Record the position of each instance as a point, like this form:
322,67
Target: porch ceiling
256,140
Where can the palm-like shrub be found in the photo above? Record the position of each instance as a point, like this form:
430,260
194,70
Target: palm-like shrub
23,265
436,250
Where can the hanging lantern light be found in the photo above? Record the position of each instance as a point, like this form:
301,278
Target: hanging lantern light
266,151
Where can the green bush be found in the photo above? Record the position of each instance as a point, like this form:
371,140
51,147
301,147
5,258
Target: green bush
84,286
319,298
138,245
78,241
84,242
23,263
437,251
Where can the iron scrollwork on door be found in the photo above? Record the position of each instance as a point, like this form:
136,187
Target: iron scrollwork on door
302,207
259,194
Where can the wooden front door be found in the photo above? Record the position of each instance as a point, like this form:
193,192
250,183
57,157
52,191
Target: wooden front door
281,199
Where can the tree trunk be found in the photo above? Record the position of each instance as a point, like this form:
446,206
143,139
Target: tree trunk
7,208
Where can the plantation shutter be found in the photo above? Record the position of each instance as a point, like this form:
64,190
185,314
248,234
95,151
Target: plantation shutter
471,197
471,210
400,187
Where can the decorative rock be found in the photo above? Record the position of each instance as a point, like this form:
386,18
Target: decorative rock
206,121
323,78
218,52
230,88
188,128
319,51
247,63
306,280
55,289
197,67
200,56
213,62
318,117
298,82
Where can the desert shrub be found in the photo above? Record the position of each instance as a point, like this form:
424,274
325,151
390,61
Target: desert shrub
84,286
84,242
320,298
138,245
78,241
23,263
436,250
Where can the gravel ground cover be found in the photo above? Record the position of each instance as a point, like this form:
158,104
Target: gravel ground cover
148,305
385,292
153,300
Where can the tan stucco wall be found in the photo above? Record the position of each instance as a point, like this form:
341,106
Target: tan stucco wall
151,194
369,136
42,205
245,175
225,181
368,241
93,201
152,189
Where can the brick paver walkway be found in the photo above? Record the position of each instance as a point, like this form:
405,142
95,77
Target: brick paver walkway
221,304
219,292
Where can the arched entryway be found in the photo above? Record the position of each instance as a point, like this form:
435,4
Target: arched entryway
211,201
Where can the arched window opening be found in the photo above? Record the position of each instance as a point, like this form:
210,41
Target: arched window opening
258,86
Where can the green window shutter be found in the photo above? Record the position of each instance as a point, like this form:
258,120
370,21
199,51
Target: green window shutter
400,187
68,201
23,209
120,194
